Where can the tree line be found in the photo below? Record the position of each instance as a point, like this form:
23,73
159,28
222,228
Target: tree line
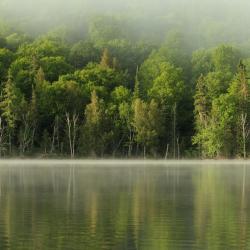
107,97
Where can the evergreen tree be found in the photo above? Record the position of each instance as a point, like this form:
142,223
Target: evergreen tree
10,104
147,123
93,130
137,86
239,90
202,110
106,60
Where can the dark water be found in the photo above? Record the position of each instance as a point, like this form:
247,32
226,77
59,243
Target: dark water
125,207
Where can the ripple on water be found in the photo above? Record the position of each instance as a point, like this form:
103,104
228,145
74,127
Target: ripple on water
128,207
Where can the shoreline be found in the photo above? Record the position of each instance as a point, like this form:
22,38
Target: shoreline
119,162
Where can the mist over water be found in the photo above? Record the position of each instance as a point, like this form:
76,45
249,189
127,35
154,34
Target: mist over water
122,163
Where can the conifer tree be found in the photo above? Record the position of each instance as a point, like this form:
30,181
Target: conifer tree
147,123
93,128
106,60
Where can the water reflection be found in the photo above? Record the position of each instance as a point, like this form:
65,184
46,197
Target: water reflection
130,207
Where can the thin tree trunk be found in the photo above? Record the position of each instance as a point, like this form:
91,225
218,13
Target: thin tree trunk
33,138
117,147
130,143
245,133
2,132
174,131
72,132
57,134
178,148
2,144
75,119
166,155
10,145
69,134
52,148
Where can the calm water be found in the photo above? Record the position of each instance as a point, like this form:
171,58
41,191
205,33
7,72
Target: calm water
124,207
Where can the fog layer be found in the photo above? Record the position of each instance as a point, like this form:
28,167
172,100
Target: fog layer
218,21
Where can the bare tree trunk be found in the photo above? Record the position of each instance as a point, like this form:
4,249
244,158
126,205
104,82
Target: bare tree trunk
57,133
69,133
52,148
25,135
245,133
72,127
130,143
178,148
174,130
2,135
166,155
33,137
75,119
10,143
117,146
144,152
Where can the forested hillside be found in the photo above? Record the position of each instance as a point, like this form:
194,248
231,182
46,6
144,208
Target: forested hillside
112,85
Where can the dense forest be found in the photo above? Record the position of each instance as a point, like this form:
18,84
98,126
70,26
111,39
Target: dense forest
106,85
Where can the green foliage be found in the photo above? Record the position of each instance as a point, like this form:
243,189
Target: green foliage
6,58
2,42
43,47
93,129
22,73
201,63
106,60
11,104
168,86
99,78
122,95
215,137
105,28
225,58
15,40
54,67
222,115
82,53
147,122
64,96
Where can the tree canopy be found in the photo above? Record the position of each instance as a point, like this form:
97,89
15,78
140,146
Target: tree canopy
111,93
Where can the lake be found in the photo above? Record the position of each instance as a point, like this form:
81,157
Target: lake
124,205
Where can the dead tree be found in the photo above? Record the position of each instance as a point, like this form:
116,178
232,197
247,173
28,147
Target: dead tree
245,132
2,137
174,130
72,131
27,133
166,155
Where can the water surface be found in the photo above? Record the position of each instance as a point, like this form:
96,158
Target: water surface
124,206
